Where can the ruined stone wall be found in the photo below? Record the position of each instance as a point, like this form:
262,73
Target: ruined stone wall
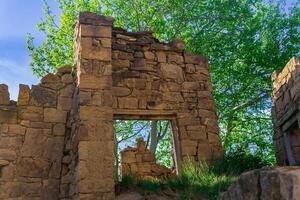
95,131
57,141
140,162
285,111
32,137
157,79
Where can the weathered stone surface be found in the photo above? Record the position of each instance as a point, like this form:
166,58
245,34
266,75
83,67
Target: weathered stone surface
126,102
4,94
16,129
41,96
65,69
266,183
24,95
8,116
95,31
54,115
34,144
3,163
29,167
193,59
7,154
93,49
93,82
140,162
121,91
172,72
59,129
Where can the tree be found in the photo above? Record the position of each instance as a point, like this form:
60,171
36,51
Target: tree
245,41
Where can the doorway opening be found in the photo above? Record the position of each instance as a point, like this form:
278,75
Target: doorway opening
144,147
294,143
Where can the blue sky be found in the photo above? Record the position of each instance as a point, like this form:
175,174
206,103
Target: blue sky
17,17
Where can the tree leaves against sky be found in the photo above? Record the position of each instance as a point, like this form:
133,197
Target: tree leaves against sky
245,41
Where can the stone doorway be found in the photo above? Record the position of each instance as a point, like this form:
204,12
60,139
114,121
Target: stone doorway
145,148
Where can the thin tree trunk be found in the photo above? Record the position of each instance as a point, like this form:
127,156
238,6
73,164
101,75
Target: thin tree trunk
116,157
153,137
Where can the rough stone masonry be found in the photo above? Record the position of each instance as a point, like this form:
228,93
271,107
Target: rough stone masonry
285,113
56,141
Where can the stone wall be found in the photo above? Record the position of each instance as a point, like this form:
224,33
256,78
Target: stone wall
140,162
285,113
152,80
32,137
266,184
57,141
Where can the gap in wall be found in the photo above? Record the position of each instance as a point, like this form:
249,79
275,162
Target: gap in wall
156,134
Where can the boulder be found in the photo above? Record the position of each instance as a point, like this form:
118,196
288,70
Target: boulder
277,183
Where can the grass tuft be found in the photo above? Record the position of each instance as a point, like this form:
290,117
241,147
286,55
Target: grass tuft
198,179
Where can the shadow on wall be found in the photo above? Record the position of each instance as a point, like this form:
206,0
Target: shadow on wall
285,113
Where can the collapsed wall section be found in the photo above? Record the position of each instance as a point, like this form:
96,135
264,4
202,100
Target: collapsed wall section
32,137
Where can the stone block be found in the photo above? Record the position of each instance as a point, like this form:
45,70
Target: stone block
188,147
95,113
4,95
59,129
171,72
121,91
7,154
67,91
214,139
161,56
128,102
15,129
64,103
194,59
34,168
40,125
11,142
41,96
92,48
67,69
54,115
24,95
175,58
94,82
120,64
54,148
50,189
148,157
197,134
95,31
204,151
35,143
12,190
67,78
50,78
8,116
149,55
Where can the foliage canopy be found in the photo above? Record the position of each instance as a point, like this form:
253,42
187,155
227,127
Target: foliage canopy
245,41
